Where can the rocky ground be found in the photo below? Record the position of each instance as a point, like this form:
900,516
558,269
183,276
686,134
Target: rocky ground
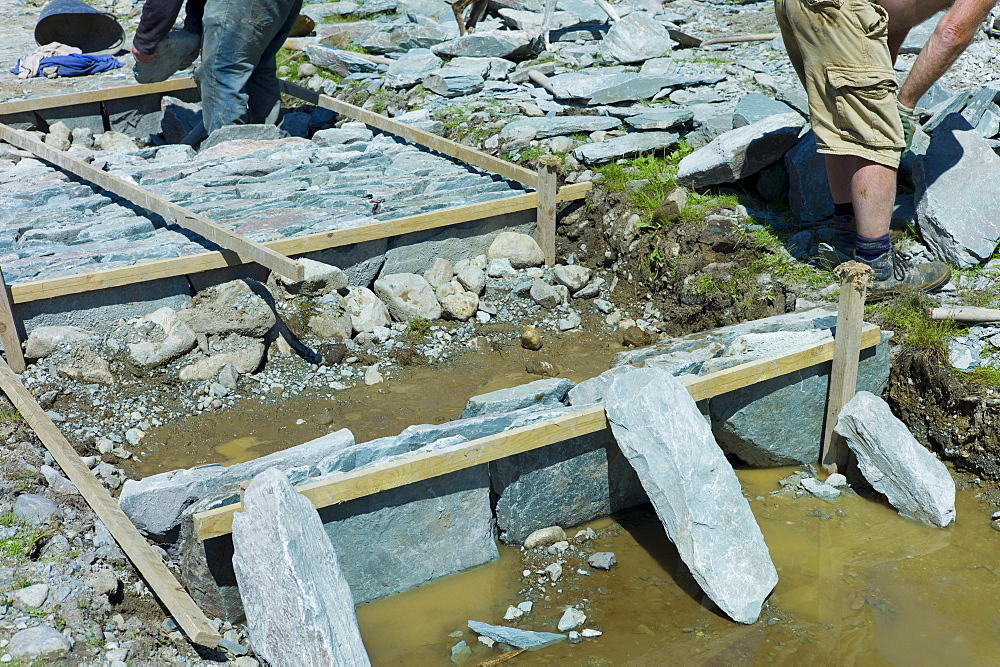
640,258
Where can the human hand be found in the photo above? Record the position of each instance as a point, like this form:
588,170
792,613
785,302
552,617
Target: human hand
909,120
141,57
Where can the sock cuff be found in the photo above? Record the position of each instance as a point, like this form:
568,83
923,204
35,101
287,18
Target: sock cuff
867,248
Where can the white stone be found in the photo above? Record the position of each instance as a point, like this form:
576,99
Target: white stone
163,338
571,619
521,249
367,310
408,296
461,306
43,341
573,276
912,478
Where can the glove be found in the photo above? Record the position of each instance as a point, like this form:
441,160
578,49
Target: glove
909,120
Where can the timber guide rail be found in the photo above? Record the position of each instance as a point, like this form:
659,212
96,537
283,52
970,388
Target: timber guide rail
591,419
237,249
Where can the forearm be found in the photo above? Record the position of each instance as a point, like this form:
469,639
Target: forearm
157,19
953,34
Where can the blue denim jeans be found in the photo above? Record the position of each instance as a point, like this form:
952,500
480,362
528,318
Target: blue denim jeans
238,76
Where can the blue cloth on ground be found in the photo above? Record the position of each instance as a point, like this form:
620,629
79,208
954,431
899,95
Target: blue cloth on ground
75,64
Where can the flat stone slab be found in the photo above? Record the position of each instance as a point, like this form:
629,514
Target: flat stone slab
155,503
692,487
298,605
547,393
915,481
619,147
516,637
561,125
660,119
740,152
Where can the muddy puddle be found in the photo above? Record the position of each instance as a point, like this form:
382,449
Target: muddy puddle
428,394
857,586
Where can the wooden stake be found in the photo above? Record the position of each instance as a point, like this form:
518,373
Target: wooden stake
854,280
418,467
964,314
173,596
9,331
545,229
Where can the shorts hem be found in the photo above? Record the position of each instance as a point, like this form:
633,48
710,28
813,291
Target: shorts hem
885,158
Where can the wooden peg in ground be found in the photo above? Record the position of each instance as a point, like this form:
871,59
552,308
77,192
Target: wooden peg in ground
964,314
855,278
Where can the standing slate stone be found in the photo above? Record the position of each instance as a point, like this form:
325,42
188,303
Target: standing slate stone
891,459
299,607
636,38
741,152
692,487
957,227
808,189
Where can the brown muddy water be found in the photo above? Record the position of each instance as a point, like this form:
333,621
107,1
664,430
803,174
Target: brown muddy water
862,586
430,394
859,585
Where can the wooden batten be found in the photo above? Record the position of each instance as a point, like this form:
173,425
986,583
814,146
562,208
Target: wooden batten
160,579
419,467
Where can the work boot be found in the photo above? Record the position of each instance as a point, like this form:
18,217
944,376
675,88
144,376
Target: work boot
894,275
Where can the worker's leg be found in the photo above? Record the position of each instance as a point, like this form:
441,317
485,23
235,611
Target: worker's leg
905,14
236,33
263,91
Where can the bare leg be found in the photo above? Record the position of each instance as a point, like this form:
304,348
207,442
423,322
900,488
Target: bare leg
904,14
873,191
839,172
870,186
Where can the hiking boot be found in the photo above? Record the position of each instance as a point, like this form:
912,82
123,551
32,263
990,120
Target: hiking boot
895,274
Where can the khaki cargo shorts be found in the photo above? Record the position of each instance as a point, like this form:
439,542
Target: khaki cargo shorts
839,50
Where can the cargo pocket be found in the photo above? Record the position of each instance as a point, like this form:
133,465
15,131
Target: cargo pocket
820,4
866,106
872,19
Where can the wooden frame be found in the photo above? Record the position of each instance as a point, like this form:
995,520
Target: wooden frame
160,579
591,419
274,254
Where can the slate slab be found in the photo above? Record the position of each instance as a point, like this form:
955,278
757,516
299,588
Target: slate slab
619,147
560,125
692,487
516,637
298,604
155,503
911,477
547,393
956,227
753,107
808,188
741,152
660,119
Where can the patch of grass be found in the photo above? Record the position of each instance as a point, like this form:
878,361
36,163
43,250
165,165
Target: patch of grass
9,414
418,326
658,173
773,259
904,314
307,309
984,376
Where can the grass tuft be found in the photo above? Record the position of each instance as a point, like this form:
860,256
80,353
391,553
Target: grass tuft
904,314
